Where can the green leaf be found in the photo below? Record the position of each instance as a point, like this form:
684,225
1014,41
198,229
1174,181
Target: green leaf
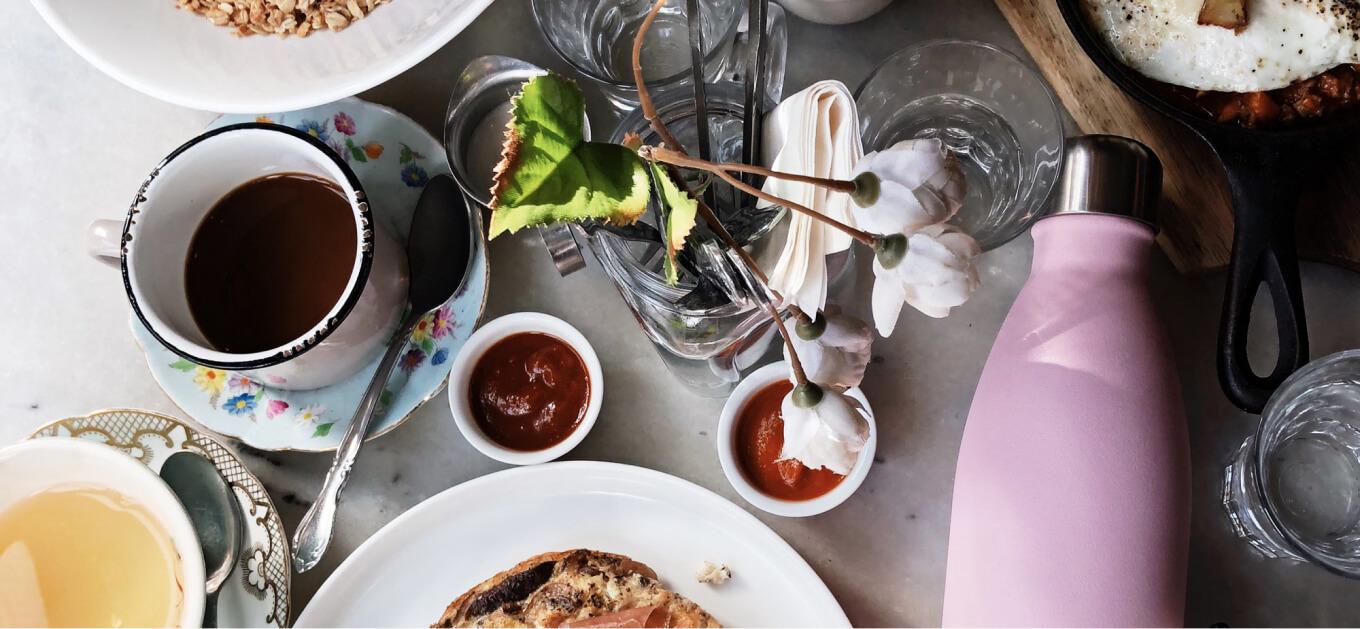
427,345
323,430
406,154
183,365
668,267
355,151
386,398
681,213
549,174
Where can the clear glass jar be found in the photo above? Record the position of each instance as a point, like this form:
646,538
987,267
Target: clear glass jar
710,336
595,37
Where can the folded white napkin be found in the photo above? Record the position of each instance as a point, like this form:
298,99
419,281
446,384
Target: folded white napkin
814,132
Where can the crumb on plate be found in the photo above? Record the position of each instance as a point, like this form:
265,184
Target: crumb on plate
713,574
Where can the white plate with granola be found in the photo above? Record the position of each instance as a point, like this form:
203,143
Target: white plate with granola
297,53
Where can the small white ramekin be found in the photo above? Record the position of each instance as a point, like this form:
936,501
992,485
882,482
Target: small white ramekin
727,426
460,376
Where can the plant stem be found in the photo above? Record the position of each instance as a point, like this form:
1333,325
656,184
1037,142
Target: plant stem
799,375
644,97
679,158
654,119
864,237
668,156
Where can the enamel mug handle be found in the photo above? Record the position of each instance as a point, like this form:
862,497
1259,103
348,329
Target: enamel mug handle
104,241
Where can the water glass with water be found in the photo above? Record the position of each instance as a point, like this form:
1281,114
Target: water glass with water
992,111
596,38
1293,489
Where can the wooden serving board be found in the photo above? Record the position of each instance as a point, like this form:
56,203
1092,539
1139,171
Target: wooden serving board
1196,215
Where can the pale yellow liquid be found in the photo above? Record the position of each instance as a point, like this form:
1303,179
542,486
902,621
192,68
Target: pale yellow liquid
86,558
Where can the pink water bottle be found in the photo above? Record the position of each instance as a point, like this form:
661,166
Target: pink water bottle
1072,497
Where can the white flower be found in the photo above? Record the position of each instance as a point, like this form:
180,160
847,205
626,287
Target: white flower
827,431
907,192
834,350
935,274
908,186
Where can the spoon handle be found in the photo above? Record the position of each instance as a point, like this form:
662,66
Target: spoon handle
313,534
210,611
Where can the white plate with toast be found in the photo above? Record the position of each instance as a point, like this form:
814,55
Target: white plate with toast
409,572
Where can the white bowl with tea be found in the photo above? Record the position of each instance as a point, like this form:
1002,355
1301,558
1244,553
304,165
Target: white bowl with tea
750,438
90,537
252,249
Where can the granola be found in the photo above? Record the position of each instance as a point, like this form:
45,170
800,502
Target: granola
281,17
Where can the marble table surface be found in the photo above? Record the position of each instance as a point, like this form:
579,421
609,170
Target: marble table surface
74,145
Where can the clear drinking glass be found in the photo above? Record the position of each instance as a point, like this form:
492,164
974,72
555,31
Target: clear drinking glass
474,133
711,329
998,116
596,38
1293,489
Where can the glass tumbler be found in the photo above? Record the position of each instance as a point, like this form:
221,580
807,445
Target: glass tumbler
596,38
991,110
711,329
1293,489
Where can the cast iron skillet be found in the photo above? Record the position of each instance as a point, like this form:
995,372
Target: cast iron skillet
1268,170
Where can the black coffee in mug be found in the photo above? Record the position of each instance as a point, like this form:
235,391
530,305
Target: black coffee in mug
269,261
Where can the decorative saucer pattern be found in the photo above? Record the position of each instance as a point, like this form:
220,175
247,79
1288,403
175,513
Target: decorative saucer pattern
394,158
258,593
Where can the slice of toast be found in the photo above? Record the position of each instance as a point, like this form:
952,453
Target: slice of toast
554,589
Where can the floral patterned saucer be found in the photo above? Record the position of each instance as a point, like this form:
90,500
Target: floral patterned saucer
394,157
257,594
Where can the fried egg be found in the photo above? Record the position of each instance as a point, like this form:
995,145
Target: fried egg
1284,41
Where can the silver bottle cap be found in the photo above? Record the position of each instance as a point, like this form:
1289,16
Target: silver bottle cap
1109,174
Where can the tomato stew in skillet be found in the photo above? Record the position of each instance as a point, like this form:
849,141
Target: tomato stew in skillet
1331,91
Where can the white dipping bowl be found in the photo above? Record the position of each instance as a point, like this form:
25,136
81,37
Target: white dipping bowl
32,467
727,427
460,376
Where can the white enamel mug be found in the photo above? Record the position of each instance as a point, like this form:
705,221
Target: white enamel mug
151,246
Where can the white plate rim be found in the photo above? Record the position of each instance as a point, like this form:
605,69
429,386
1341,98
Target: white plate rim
289,102
353,568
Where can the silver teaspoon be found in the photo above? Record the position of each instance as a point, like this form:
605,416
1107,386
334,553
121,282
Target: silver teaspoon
216,517
437,254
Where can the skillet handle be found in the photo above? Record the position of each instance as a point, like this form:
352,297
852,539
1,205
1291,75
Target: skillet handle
1266,181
